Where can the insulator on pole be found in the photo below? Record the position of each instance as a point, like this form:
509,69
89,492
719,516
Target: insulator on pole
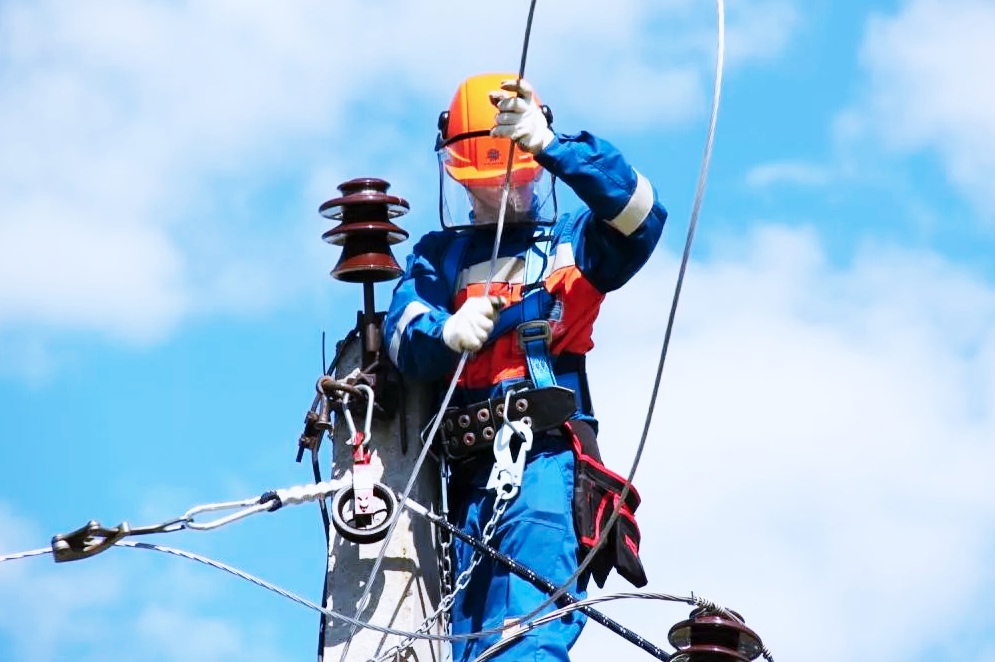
708,636
365,231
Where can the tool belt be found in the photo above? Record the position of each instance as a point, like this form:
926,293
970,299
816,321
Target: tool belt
597,494
465,431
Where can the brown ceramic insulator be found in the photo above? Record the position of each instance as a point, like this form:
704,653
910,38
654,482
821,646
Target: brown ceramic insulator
710,637
706,653
365,231
362,192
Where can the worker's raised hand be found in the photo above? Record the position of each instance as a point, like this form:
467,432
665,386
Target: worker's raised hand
468,328
520,117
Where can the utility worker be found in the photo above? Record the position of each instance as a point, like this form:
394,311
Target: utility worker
528,335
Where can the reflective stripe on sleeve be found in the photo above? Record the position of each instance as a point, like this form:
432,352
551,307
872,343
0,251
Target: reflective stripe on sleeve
411,311
636,210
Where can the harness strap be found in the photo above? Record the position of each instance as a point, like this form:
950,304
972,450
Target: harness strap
452,261
533,331
529,317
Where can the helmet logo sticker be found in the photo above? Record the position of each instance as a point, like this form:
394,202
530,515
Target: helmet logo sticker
493,155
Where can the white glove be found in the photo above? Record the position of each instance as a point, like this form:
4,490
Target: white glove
521,118
469,327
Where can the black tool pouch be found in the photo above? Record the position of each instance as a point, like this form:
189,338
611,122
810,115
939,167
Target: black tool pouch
597,494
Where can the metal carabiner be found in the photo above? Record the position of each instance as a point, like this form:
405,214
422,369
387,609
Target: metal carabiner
506,476
245,508
357,438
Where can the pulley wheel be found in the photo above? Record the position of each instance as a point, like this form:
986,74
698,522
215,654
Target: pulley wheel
363,528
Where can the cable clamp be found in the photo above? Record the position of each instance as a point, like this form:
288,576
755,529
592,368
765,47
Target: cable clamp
87,541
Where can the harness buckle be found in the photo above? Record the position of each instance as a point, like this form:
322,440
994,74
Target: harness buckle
527,332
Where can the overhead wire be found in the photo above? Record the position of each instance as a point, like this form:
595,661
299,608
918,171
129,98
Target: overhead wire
695,212
241,574
529,621
461,365
293,496
41,551
94,539
685,258
290,595
704,604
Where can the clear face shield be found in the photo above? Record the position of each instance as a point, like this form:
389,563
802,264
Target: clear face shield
472,173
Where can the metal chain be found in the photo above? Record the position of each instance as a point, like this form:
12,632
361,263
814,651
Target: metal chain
446,603
445,559
464,579
445,539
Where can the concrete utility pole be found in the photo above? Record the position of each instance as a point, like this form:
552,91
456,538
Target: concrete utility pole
406,589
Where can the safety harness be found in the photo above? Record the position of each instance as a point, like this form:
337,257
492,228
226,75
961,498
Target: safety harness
528,318
545,405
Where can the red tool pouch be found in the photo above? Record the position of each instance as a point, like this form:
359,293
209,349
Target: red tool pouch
597,494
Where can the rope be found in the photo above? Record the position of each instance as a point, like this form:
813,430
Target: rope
437,420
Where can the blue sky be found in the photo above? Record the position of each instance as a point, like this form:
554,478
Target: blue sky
821,456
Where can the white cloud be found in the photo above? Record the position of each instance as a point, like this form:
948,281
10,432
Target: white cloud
177,634
30,358
820,456
928,67
119,605
821,449
142,143
798,173
89,277
760,31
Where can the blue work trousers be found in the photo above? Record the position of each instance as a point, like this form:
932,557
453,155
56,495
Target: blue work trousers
537,530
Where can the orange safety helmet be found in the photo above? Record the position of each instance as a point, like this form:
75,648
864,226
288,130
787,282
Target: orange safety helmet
470,155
